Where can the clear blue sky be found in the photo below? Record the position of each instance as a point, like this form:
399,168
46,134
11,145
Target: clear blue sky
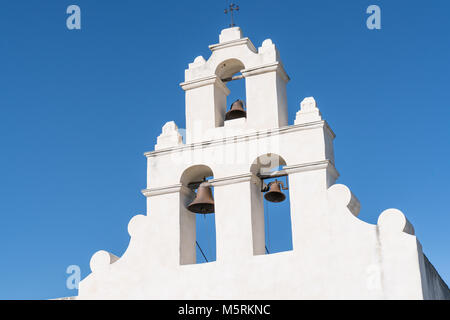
79,108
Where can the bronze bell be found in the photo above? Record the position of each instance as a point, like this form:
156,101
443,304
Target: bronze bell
236,111
203,202
274,194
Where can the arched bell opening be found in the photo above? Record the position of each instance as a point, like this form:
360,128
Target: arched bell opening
197,216
229,72
274,203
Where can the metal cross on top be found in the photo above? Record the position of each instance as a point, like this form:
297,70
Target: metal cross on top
232,7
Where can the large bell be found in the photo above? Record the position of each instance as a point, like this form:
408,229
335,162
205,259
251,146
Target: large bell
274,194
236,111
203,202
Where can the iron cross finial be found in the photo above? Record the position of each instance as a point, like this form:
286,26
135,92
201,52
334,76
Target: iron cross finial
232,7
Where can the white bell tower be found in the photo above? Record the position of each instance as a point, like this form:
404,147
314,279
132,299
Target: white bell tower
206,92
335,255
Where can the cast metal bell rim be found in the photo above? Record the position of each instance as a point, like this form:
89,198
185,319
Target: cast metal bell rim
275,196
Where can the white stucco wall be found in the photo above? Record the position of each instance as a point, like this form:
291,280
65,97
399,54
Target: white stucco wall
335,255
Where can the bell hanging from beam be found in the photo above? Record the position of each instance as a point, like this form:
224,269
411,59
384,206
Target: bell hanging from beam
236,111
203,202
274,193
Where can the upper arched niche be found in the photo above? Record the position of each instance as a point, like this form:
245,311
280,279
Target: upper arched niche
195,174
266,163
228,68
233,49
